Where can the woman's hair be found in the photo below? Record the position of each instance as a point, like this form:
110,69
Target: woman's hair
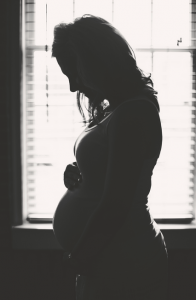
104,60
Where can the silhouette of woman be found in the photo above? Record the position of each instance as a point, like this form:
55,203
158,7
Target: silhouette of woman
103,221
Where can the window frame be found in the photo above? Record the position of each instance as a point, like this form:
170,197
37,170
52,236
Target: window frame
30,49
14,70
41,236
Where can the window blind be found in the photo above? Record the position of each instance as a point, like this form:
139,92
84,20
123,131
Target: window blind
52,119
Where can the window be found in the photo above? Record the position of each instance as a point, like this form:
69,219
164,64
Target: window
164,42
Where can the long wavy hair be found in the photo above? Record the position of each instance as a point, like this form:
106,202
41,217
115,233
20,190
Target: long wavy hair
104,60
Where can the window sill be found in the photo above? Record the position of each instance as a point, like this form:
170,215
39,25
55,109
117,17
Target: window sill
41,236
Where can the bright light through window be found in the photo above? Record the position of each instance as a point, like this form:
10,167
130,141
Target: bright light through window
53,122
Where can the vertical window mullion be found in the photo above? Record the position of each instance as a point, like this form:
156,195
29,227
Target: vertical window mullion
193,44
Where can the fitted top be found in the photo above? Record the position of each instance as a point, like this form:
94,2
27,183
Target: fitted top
111,202
90,150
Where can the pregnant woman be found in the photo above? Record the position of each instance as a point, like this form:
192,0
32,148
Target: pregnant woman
103,221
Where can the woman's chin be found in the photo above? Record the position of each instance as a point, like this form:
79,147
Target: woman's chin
90,93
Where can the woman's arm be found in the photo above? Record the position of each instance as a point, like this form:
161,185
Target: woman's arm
127,146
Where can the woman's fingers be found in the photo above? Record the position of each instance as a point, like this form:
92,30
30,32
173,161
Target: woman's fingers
69,184
72,176
72,171
73,168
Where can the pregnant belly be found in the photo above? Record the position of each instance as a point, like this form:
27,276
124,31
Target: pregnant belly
70,218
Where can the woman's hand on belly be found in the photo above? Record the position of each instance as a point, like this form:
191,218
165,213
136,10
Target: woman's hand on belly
72,176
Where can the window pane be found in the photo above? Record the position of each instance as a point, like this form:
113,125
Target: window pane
133,19
58,11
171,21
172,179
100,8
52,117
40,23
144,61
172,77
52,128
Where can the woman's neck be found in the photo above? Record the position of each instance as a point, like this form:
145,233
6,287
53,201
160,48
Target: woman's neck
115,103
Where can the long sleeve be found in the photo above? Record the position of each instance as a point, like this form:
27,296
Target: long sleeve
129,132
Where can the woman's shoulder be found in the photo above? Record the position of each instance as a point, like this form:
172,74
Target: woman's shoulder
138,113
137,121
132,106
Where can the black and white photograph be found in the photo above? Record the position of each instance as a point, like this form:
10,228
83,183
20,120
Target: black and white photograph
98,150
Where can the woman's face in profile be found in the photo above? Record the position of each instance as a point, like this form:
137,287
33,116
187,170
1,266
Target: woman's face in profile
75,82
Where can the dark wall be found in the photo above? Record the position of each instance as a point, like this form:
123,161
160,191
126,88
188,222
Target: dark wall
39,274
